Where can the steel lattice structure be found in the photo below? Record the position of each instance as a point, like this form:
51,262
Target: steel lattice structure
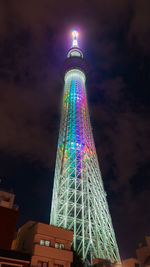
79,200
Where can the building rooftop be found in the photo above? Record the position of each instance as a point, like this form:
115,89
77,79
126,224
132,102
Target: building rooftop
7,199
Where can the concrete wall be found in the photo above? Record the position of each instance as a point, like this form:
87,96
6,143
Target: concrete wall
29,239
25,237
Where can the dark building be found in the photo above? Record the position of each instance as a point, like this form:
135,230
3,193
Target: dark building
8,219
10,258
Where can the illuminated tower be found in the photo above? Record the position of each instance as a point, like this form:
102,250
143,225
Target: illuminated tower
79,200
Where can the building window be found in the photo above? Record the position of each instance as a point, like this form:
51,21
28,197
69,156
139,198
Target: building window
42,242
62,246
58,245
42,264
47,243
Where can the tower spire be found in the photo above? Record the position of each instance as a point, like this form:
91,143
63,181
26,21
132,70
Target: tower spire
75,35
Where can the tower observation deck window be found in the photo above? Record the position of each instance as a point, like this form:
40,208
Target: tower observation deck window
74,52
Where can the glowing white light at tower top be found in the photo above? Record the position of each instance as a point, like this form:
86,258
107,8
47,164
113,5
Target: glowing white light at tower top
75,35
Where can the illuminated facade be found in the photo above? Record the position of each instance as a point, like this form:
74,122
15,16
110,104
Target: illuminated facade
79,200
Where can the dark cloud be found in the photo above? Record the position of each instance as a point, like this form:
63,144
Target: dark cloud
34,39
140,25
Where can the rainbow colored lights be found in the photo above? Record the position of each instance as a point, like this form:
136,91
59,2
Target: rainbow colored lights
75,143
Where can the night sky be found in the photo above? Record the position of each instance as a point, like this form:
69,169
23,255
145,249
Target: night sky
115,39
